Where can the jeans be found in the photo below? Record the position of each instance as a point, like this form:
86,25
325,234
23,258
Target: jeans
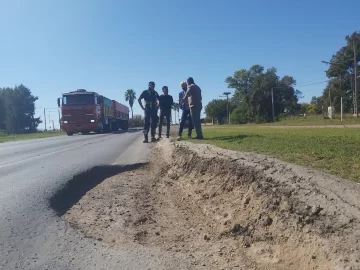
165,114
195,115
150,117
184,116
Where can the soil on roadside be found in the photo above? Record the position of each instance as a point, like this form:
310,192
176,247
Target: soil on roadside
226,210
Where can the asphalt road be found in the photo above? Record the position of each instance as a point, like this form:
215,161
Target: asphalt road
32,172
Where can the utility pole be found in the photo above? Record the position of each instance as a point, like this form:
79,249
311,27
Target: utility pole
227,101
59,120
227,104
272,99
341,100
355,83
53,125
341,104
341,91
272,103
45,118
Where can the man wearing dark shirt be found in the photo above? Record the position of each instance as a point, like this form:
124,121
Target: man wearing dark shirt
151,98
186,111
165,102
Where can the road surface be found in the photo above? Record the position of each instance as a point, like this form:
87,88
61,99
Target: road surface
32,234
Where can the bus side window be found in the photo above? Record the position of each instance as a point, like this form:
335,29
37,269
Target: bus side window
96,100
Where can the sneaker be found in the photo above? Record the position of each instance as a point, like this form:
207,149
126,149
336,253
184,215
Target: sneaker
153,139
167,136
189,136
145,141
199,138
179,138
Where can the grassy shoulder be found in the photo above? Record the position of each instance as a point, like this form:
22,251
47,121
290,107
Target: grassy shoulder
333,150
316,120
6,138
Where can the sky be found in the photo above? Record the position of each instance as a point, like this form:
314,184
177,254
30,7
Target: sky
109,46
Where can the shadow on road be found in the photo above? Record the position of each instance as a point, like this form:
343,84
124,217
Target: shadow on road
81,183
130,130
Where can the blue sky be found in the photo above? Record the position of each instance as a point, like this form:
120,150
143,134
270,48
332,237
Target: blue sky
109,46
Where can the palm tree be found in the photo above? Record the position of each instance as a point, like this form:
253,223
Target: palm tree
130,96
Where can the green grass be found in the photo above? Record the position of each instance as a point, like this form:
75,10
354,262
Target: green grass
315,121
333,150
5,138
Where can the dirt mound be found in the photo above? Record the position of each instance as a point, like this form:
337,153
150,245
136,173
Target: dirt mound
287,217
218,209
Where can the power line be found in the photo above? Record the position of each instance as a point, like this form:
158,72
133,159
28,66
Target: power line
312,83
46,108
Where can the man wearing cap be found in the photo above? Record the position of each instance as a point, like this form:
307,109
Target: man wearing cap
185,111
165,102
151,98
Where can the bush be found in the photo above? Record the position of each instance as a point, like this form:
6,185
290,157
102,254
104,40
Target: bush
137,121
3,133
240,115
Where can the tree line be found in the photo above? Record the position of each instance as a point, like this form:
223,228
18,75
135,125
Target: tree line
341,83
260,95
253,101
17,110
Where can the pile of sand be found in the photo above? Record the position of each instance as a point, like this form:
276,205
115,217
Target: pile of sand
224,210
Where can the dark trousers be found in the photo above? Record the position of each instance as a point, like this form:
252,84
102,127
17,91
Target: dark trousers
195,115
185,115
151,118
165,114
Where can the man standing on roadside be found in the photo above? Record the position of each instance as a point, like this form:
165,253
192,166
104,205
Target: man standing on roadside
193,94
151,98
185,111
165,102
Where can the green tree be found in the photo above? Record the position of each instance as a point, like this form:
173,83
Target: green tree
341,74
343,60
334,91
304,108
319,104
136,121
240,114
253,89
18,110
2,111
130,96
25,103
216,109
311,109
